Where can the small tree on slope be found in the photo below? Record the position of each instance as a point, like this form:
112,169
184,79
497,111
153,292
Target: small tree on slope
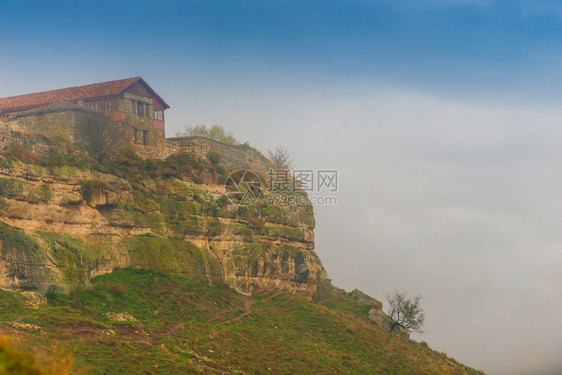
405,311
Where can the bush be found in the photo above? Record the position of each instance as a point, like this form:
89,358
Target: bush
42,193
257,224
5,163
89,187
220,170
54,294
222,201
10,188
81,162
213,157
23,153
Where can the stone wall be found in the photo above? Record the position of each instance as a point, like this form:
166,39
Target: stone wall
10,134
40,129
231,157
37,129
64,122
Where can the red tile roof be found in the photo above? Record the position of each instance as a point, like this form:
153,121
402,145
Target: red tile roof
70,94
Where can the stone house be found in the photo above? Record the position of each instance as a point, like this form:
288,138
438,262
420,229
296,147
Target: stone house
26,119
129,101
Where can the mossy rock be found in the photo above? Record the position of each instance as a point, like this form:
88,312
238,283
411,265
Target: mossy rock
171,256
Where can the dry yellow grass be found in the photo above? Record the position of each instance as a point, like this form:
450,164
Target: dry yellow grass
32,361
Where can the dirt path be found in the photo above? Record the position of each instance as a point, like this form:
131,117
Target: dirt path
247,310
21,317
325,301
286,301
274,295
170,330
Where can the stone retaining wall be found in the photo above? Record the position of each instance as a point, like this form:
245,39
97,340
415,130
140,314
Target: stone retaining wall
37,129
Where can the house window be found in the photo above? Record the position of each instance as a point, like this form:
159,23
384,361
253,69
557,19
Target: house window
158,114
145,137
141,109
100,106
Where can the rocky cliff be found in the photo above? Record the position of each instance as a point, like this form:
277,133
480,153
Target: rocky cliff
65,220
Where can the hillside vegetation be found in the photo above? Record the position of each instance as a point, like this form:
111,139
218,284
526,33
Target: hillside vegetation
138,266
138,321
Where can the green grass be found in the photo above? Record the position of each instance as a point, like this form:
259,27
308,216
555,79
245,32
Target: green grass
187,326
12,305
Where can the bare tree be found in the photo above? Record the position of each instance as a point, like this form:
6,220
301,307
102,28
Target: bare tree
103,137
280,157
405,311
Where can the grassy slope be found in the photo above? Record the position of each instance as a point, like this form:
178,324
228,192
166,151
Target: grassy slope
184,326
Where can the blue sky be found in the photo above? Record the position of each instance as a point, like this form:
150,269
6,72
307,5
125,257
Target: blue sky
477,46
450,176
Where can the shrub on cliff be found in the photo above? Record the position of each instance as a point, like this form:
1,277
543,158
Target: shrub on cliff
5,163
280,158
257,224
23,153
90,187
214,157
222,202
10,188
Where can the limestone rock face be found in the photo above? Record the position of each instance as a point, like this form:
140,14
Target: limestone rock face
104,198
63,226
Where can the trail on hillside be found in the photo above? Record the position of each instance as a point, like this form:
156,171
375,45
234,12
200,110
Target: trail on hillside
325,301
246,309
21,317
171,328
